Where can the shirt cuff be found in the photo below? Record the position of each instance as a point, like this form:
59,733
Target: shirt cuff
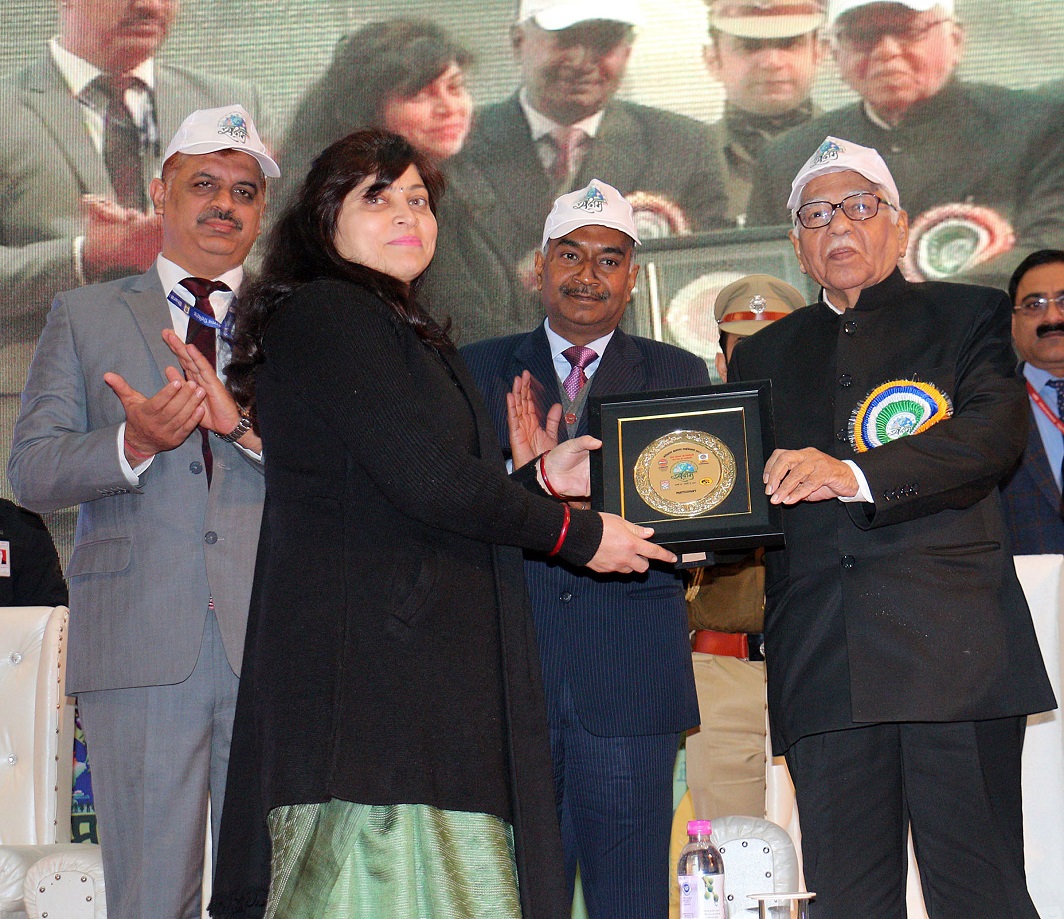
132,473
250,454
79,261
864,493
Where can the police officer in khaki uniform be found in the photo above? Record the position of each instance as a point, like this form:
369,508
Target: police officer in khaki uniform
765,54
726,611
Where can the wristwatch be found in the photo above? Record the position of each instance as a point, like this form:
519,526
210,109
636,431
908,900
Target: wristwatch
242,427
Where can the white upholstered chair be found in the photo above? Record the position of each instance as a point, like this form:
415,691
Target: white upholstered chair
759,857
41,872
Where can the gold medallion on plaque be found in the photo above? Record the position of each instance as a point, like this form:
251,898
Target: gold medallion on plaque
685,473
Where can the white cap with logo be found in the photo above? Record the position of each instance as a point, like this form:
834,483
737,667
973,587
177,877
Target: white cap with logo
228,127
598,205
554,15
836,155
838,7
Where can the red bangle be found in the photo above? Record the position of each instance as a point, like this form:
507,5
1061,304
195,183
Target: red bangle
563,533
546,481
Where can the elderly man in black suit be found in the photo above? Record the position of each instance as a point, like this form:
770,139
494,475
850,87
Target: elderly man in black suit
902,660
1031,494
615,652
564,126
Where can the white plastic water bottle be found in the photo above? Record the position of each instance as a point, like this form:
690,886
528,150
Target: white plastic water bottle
700,874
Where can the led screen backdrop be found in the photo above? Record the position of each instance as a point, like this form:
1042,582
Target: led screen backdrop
281,47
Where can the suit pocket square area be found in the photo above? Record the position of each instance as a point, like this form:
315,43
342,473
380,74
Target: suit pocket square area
102,556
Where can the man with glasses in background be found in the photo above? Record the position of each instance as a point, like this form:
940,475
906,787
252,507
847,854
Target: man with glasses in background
1032,493
902,660
982,166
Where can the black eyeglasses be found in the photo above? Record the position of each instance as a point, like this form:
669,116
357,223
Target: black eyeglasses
864,38
1036,306
862,206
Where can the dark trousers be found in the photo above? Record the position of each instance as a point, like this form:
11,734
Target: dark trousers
956,784
615,808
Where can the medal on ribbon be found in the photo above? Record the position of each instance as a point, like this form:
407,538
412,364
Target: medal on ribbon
895,409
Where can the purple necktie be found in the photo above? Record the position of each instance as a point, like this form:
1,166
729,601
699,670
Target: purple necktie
203,337
579,357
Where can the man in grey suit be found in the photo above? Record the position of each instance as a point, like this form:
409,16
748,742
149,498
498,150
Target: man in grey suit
564,126
63,221
168,521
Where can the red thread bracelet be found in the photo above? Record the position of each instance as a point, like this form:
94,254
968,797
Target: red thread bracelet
137,455
546,481
563,533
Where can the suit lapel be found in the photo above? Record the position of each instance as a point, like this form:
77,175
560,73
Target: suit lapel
618,153
509,162
145,299
47,95
620,371
474,197
1038,464
172,102
1035,460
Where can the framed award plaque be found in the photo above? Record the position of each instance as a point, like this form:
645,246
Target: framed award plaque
688,462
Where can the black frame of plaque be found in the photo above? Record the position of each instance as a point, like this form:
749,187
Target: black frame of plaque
740,414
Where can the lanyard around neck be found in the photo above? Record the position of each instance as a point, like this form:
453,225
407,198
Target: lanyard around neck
1041,403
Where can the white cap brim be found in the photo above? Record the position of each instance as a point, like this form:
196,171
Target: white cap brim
270,169
768,26
555,16
838,8
567,226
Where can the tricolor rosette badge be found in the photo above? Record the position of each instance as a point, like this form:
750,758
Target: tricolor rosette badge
895,409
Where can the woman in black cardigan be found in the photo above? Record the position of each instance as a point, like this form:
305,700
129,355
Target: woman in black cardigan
390,739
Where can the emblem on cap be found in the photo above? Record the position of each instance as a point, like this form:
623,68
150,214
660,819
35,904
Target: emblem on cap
758,304
829,150
233,125
896,409
592,202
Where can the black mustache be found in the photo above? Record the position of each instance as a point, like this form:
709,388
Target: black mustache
216,213
581,290
1048,328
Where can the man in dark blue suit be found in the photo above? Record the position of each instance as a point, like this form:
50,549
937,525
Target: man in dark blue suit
615,650
1031,494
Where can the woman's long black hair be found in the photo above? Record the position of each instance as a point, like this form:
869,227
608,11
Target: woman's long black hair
301,248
